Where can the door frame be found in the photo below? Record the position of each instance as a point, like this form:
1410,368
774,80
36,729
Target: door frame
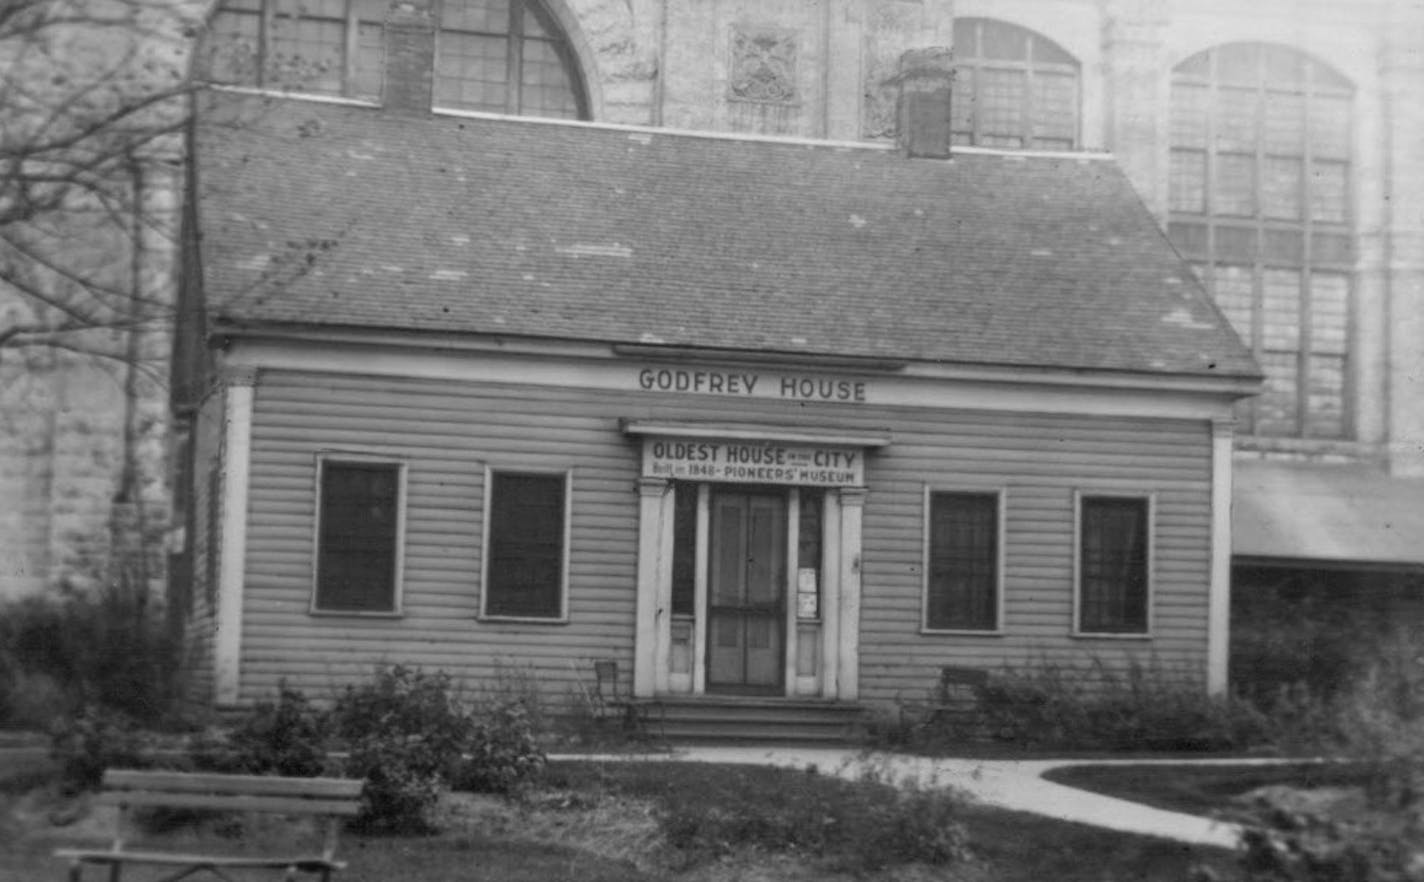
838,662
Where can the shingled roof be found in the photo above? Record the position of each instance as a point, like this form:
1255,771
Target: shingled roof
345,216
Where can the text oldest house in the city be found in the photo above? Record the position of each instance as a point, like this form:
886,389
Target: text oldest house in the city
772,349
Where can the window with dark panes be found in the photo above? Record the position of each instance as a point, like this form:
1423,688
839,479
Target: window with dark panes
501,56
358,541
809,543
1259,198
962,581
525,575
684,548
1013,88
1112,565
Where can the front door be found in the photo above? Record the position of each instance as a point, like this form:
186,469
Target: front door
746,592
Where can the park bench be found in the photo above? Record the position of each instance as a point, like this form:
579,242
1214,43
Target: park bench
332,799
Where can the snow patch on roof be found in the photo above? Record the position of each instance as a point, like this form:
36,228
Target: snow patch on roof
594,249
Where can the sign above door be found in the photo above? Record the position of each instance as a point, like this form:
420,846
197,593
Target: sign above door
753,462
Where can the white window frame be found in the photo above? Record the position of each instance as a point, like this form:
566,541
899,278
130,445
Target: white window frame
1000,495
1079,496
398,576
568,475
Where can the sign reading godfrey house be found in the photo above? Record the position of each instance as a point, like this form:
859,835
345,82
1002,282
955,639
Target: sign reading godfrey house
753,384
753,462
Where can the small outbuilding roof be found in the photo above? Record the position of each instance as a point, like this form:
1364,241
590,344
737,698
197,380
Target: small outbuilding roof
324,214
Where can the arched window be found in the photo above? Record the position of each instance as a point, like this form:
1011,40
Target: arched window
501,56
1013,88
1259,199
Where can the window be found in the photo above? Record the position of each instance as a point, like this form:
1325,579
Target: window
501,56
1114,537
359,526
1259,198
810,527
962,566
526,524
684,548
1012,88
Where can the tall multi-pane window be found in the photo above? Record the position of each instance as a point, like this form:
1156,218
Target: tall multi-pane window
501,56
962,562
1114,548
1259,199
1012,88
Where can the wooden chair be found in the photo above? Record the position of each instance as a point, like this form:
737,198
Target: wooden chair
333,799
953,698
612,697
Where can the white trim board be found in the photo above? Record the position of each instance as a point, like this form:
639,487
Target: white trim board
1024,394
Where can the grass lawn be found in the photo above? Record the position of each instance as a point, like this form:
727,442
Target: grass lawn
590,821
1200,789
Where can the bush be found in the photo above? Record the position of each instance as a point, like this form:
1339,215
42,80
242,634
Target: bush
1311,848
74,650
285,737
1099,709
502,751
1377,723
861,827
1380,722
1299,639
93,740
405,731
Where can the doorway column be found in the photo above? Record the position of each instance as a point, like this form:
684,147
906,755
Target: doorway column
847,637
653,634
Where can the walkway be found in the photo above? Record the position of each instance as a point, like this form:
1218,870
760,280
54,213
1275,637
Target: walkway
1009,784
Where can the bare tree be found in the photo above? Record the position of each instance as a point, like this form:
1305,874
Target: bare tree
91,113
91,94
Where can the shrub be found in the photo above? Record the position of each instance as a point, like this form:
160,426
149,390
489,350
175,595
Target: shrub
1302,632
404,776
285,737
1311,848
106,648
95,739
1377,722
1380,722
405,731
502,751
1099,709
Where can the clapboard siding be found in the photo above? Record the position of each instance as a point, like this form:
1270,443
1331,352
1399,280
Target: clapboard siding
447,433
1039,463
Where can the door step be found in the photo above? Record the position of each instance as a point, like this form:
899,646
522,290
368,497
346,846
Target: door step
703,719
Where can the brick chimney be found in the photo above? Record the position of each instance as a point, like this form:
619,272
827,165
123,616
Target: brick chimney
922,122
410,57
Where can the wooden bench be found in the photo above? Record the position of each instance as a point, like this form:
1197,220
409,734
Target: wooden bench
333,799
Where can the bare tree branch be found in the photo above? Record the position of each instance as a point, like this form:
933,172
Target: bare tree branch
94,97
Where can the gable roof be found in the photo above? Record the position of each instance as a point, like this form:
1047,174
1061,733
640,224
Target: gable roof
345,216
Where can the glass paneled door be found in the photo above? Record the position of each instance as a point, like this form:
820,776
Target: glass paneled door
746,622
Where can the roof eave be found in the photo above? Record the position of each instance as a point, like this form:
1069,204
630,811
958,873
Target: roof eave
1233,386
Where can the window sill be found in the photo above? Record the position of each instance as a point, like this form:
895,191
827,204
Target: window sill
1093,635
961,632
522,620
355,613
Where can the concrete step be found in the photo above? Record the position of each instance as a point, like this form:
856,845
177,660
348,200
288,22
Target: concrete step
755,719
